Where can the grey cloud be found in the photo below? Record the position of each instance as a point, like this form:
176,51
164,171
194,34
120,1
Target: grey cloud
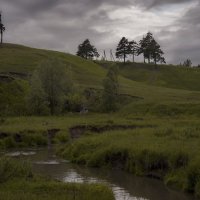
63,24
185,41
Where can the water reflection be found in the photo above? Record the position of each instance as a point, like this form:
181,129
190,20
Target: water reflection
124,185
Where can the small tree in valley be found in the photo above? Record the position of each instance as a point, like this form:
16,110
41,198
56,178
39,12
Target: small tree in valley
50,84
110,93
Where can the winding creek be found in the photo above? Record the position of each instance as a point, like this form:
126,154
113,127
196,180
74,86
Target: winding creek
124,185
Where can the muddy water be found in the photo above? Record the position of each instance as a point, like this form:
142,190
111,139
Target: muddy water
124,185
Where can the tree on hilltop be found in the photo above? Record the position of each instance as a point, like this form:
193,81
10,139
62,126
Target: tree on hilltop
150,49
156,52
133,49
2,28
123,49
144,46
187,63
87,51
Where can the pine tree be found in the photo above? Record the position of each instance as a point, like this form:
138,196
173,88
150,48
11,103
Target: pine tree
2,29
156,52
87,51
187,63
145,48
123,49
151,49
133,49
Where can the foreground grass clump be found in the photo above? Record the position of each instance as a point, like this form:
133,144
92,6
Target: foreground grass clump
17,182
170,154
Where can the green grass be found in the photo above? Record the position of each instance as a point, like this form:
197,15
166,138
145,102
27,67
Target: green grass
17,182
21,59
87,74
162,75
169,151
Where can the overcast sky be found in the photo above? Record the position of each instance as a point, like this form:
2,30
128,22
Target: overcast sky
63,24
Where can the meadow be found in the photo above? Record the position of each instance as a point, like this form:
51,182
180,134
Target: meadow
155,131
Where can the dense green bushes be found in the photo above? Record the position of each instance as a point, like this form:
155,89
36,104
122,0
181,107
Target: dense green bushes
23,140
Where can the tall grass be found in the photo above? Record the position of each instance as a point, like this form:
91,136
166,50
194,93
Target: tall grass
164,153
17,182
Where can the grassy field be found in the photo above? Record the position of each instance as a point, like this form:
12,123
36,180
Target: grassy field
87,74
170,76
165,147
17,182
169,150
154,133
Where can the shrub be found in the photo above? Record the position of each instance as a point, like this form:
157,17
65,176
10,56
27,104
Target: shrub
193,176
10,168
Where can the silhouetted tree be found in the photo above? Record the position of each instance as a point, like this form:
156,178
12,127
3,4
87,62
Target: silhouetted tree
123,49
187,63
133,49
2,29
144,46
156,53
87,51
151,49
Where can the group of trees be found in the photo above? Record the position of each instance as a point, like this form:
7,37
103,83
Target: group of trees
52,90
186,63
148,47
49,86
2,29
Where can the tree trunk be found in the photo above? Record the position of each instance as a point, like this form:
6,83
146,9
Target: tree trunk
144,60
1,36
148,59
124,58
133,57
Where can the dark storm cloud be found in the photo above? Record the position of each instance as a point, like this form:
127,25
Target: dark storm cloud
63,24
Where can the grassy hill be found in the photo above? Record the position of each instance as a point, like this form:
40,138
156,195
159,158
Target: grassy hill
21,59
162,75
145,84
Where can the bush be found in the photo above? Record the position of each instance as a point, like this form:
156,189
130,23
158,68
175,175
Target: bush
62,137
193,176
10,168
75,102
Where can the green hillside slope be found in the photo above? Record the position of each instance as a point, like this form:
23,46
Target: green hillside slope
21,59
163,75
144,82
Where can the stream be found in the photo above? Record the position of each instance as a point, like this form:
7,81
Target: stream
124,185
